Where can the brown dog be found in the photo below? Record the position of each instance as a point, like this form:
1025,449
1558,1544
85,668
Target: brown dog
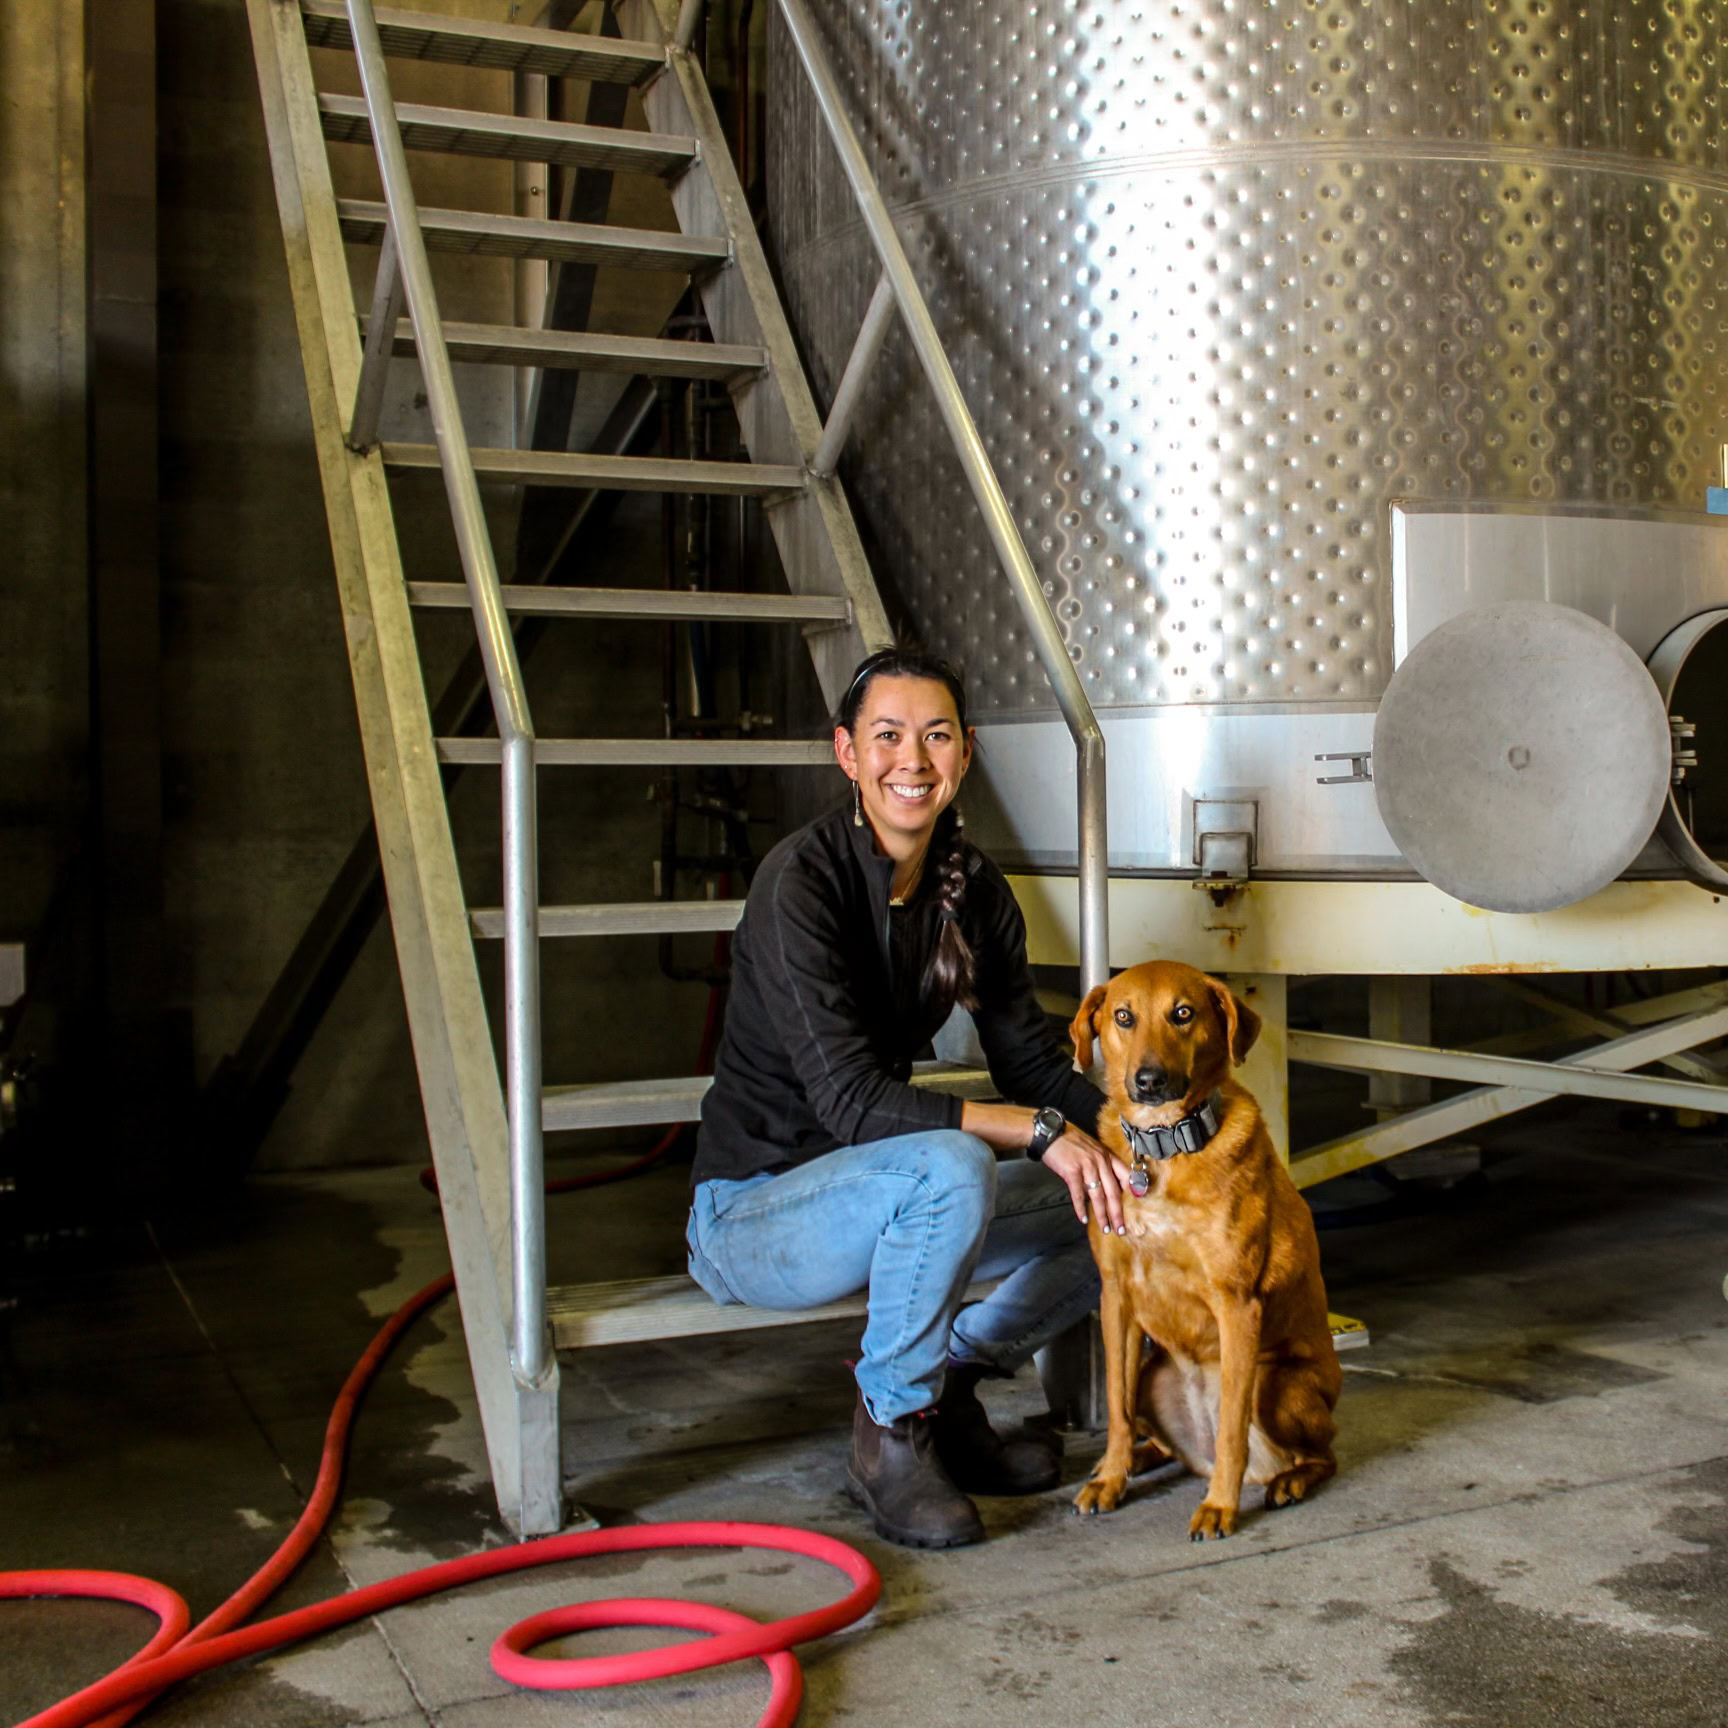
1220,1269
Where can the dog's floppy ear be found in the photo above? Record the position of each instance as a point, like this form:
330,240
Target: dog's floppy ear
1241,1023
1085,1027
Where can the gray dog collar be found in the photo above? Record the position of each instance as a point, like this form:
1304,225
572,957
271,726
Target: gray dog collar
1188,1135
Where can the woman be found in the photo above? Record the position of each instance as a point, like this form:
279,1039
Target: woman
820,1170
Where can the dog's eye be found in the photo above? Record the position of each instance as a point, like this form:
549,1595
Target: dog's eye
1124,1017
1181,1014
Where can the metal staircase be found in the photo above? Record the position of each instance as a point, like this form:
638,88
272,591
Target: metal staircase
486,1139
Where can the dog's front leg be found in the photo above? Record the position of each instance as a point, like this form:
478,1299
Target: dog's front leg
1239,1349
1103,1489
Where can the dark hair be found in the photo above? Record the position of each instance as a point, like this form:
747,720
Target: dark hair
948,977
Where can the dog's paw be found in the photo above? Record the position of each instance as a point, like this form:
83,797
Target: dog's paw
1100,1494
1286,1488
1149,1455
1211,1521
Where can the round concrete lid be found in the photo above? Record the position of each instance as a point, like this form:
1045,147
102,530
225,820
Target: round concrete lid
1521,756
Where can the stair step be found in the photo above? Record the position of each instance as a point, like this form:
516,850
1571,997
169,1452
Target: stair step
624,1103
638,1310
644,1103
637,356
611,473
627,918
476,232
470,132
657,603
465,42
647,753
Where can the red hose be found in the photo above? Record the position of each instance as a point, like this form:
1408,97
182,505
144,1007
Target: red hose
174,1654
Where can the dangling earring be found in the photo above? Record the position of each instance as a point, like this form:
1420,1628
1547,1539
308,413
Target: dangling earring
959,817
857,805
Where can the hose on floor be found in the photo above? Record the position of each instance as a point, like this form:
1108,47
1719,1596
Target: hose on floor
176,1653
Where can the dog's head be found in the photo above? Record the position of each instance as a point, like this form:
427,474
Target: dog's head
1168,1034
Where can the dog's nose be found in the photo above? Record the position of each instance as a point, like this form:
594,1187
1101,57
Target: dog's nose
1151,1084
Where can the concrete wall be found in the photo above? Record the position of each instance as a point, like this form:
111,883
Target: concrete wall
44,692
263,785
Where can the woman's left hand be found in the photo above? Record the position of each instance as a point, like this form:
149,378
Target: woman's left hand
1091,1174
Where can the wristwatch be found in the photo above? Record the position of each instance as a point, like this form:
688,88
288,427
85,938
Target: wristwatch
1048,1126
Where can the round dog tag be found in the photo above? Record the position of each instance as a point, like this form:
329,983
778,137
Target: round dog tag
1139,1182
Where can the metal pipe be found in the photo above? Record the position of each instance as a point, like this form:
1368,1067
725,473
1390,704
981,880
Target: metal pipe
380,342
509,706
1333,1050
866,350
529,1343
1052,651
502,674
689,16
1471,1109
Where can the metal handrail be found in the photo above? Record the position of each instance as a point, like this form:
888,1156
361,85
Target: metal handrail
1016,562
405,251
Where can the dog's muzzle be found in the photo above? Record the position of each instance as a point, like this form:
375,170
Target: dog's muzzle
1154,1086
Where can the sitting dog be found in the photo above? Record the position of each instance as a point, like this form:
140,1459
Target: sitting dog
1220,1268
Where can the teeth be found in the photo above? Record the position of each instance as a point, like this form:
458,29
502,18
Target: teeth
911,791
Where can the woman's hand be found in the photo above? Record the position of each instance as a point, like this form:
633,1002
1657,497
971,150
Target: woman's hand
1091,1175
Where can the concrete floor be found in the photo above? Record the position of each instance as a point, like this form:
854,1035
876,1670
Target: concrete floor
1530,1524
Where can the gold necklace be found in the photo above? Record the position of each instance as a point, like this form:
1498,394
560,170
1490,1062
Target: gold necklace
911,887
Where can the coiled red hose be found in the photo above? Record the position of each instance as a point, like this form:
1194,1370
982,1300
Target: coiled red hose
175,1653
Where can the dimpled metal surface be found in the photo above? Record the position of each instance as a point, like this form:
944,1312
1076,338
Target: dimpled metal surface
1221,278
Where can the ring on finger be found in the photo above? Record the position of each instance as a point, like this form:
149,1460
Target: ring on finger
1091,1187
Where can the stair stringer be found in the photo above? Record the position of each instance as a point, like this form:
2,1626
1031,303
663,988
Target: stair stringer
447,1019
777,415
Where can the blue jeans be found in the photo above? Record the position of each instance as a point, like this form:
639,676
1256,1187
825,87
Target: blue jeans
914,1219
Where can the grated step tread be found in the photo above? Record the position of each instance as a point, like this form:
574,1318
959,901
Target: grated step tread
508,137
636,356
641,1310
478,233
638,1310
621,918
468,42
647,753
612,473
658,604
645,1103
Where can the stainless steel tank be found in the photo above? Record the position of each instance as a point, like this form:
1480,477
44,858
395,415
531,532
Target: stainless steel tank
1247,299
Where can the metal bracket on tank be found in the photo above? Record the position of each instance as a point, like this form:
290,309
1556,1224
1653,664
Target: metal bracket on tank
1685,735
1226,836
1360,773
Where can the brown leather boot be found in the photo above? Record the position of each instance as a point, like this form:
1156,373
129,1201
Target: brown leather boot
975,1456
895,1476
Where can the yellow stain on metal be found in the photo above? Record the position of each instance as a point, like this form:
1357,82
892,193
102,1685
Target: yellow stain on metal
1299,928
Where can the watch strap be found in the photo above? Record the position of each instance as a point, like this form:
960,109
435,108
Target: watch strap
1048,1126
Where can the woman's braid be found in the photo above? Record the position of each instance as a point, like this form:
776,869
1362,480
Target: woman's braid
948,977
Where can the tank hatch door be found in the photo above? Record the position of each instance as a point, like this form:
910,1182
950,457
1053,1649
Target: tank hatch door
1522,756
1690,666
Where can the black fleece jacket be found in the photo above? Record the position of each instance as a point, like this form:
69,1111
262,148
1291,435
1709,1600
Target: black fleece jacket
826,1012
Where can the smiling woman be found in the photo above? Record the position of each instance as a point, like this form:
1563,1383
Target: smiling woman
821,1171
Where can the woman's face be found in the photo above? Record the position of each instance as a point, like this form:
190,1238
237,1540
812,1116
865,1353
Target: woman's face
907,753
